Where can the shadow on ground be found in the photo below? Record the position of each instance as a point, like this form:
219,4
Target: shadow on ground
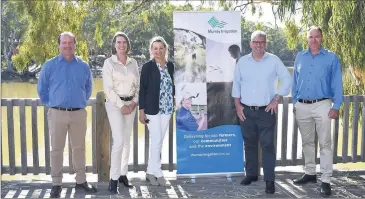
345,184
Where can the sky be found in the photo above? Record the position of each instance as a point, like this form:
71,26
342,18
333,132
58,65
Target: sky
267,18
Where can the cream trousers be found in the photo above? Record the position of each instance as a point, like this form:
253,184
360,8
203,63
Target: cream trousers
121,126
313,118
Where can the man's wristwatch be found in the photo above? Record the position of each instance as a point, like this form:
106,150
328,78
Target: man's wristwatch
276,98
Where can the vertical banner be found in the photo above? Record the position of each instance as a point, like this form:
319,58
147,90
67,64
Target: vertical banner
208,134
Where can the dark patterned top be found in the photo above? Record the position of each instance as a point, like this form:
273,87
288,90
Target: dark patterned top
166,100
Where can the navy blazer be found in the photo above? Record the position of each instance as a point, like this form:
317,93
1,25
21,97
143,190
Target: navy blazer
149,91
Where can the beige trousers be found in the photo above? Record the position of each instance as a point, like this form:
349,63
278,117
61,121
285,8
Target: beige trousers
313,118
74,123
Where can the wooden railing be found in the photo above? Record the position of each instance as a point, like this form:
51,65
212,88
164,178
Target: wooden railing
36,168
100,138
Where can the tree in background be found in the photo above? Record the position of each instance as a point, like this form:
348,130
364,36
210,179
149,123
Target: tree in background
95,22
13,26
343,25
46,20
276,41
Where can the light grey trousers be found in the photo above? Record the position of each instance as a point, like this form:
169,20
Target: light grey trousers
313,118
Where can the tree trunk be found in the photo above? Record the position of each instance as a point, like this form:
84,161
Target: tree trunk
9,67
354,76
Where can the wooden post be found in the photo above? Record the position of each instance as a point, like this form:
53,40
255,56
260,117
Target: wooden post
345,132
102,139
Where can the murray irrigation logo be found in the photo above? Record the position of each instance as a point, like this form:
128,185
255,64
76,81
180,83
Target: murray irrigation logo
214,22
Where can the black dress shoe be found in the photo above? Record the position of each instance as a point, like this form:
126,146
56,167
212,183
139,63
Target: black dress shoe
56,191
270,187
113,186
248,179
124,180
87,187
325,189
305,179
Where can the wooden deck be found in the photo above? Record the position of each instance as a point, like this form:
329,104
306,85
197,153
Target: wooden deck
345,184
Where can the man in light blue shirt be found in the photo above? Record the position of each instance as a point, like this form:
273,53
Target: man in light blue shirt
256,100
65,85
317,83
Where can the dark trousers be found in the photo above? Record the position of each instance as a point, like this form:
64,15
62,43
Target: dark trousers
259,126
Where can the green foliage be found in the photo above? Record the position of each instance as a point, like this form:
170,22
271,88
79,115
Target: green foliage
351,87
3,63
259,26
276,41
343,25
47,19
13,25
292,34
140,26
95,22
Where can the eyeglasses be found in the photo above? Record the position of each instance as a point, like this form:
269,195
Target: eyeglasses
259,42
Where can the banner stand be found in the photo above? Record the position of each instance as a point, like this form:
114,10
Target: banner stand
208,135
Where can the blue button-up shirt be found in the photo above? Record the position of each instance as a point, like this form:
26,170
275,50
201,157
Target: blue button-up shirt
185,120
65,84
317,77
254,82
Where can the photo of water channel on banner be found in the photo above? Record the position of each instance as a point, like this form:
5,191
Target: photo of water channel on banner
208,135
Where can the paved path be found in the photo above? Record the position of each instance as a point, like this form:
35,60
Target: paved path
345,184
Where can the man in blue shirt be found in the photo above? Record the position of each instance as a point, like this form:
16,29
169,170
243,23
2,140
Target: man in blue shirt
256,100
317,83
65,85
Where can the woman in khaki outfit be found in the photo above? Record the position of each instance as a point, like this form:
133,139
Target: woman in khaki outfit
121,87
